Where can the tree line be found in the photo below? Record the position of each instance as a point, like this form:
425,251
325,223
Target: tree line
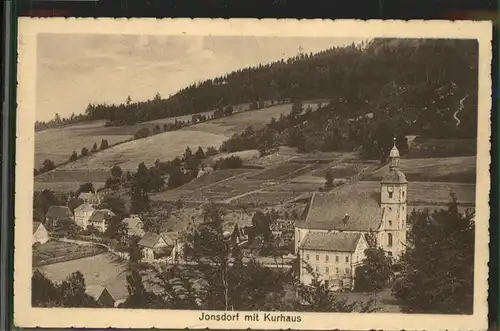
402,76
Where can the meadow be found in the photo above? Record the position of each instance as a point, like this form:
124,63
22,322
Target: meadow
447,169
53,251
103,269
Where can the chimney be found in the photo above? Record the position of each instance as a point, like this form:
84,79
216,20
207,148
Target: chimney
346,219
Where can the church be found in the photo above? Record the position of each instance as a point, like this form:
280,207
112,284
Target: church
332,239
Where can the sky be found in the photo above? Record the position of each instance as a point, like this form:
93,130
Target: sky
74,70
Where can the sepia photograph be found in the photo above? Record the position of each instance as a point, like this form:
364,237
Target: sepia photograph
253,174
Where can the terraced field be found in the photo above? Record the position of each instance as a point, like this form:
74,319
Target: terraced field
448,169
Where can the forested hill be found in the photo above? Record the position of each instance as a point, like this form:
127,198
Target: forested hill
397,76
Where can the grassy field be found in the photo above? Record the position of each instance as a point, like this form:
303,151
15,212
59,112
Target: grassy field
279,171
424,148
103,269
449,169
53,250
58,144
163,146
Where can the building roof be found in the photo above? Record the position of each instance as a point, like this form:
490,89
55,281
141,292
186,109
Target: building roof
170,237
94,291
344,210
100,215
331,241
86,195
84,207
149,240
133,222
59,212
394,152
35,226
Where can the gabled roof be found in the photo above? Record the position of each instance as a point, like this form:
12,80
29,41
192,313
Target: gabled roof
86,195
84,207
133,222
35,226
100,215
95,291
149,240
331,241
59,212
170,237
344,210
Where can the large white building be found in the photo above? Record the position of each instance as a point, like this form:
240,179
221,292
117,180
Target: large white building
332,239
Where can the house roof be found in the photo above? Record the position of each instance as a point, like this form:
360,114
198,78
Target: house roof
170,237
95,291
86,195
84,207
133,222
331,241
100,215
35,226
149,240
344,210
59,212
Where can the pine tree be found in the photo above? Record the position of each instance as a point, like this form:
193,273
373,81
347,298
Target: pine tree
437,269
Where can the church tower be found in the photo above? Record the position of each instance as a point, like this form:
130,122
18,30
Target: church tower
394,188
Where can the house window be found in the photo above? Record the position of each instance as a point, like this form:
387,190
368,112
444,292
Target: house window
389,253
326,258
390,223
346,271
317,269
337,271
390,209
317,257
390,195
403,194
307,257
336,259
347,258
327,284
389,239
327,270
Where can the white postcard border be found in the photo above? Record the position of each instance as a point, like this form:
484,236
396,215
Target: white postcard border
27,316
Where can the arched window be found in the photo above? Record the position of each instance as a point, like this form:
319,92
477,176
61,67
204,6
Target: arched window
390,223
389,239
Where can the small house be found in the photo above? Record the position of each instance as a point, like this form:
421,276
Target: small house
40,233
83,214
101,295
153,246
173,240
99,219
58,215
134,226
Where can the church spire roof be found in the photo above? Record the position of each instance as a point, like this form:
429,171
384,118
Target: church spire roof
394,151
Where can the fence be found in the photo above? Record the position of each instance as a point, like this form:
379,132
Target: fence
88,242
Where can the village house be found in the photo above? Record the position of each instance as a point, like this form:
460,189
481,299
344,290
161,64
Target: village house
101,295
350,212
90,198
99,219
57,216
334,257
134,226
173,240
153,246
40,233
83,214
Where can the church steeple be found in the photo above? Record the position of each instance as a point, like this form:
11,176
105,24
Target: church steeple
394,157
